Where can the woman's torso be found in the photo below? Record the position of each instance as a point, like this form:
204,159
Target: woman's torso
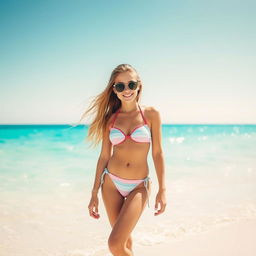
129,158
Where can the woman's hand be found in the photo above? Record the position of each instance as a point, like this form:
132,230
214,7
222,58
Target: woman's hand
93,206
160,199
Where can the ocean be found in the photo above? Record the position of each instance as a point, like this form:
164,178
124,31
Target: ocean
47,172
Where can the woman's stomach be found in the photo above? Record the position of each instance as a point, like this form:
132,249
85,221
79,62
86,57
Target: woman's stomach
128,167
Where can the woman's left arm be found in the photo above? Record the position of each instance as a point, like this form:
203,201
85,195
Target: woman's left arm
158,158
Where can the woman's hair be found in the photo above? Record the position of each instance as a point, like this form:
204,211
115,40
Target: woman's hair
105,104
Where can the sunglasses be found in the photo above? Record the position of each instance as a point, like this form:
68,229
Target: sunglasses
120,86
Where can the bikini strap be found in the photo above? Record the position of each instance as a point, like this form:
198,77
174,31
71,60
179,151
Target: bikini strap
102,175
144,119
142,115
115,117
146,181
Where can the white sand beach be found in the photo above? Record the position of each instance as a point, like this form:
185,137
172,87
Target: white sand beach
236,239
61,227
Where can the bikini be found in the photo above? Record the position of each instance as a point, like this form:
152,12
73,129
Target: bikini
140,134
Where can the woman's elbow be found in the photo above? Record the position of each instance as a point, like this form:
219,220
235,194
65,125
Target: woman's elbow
157,154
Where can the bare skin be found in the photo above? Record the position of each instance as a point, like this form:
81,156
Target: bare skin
129,161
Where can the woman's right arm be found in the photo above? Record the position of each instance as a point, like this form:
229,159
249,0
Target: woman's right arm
104,157
101,164
105,154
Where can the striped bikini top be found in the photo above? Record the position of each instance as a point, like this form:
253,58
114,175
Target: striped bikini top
140,133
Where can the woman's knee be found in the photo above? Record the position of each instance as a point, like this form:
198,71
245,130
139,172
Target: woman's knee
115,244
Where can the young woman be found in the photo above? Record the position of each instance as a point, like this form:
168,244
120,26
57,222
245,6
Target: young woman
126,131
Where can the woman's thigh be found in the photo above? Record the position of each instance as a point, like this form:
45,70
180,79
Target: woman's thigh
130,213
112,199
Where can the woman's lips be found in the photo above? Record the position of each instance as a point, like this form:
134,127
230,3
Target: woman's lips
128,95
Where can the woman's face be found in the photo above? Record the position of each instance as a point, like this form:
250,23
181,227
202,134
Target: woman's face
127,94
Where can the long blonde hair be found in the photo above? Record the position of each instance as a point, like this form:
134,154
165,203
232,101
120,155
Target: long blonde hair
105,104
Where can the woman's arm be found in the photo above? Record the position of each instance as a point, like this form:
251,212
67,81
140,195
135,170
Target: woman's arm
158,158
105,154
157,152
104,157
101,164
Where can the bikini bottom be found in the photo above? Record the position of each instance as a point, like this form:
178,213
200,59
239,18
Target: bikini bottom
125,186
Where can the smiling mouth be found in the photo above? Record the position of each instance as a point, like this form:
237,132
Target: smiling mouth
128,96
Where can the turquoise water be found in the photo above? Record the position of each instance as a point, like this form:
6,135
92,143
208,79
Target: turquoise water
42,157
47,172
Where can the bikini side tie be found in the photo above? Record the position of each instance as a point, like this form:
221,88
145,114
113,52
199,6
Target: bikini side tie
146,180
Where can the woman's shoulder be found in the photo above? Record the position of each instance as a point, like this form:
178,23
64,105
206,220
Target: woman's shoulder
150,112
110,120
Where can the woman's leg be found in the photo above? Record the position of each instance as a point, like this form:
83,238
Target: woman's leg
129,215
113,202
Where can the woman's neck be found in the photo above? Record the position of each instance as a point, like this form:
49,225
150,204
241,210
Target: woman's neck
129,107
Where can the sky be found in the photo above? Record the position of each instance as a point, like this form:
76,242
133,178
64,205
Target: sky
196,59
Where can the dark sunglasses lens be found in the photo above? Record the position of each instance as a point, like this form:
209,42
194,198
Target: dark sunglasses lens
119,87
132,85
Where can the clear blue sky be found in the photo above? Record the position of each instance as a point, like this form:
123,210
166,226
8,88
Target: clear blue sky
196,58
